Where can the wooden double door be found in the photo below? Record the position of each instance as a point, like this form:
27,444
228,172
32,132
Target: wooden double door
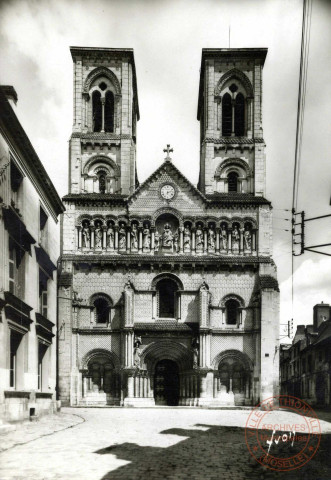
166,383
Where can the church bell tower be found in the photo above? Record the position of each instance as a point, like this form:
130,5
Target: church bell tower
103,142
230,113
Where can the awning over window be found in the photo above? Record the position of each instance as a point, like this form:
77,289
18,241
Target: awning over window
44,261
44,328
17,312
16,228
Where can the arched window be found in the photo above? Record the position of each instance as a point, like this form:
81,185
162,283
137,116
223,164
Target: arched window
239,116
102,181
232,182
232,312
226,115
102,308
167,289
97,111
109,112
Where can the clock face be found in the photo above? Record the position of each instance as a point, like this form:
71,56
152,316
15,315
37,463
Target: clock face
168,192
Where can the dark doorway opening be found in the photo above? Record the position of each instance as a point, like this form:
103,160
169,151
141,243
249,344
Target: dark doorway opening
166,383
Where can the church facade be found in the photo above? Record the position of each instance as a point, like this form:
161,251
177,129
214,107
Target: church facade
167,292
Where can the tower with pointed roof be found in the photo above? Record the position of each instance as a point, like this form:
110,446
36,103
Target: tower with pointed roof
167,292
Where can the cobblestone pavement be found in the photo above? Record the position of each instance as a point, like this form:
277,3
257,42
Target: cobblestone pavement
28,431
153,444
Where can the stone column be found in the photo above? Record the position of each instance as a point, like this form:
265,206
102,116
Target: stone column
104,245
152,239
154,305
193,241
79,237
241,242
181,240
116,238
229,240
205,240
217,245
92,237
130,385
140,240
128,240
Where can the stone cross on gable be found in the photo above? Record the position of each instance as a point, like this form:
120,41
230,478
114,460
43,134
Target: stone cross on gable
167,151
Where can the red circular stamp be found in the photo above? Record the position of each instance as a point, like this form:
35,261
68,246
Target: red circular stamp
282,433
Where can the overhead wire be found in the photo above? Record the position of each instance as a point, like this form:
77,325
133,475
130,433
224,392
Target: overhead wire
304,57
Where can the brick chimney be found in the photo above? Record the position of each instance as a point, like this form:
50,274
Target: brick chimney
321,314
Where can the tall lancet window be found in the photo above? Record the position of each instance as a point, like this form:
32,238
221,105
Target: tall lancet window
239,116
226,115
102,182
232,182
97,111
109,112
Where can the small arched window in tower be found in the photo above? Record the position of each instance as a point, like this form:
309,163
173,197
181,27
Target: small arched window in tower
97,111
102,182
101,310
167,289
232,312
233,182
226,115
109,112
239,116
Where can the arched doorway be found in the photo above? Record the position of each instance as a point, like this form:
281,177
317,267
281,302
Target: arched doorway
166,383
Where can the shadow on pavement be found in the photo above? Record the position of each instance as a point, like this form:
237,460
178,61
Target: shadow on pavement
213,454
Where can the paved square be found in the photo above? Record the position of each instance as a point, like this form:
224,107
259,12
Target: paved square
159,443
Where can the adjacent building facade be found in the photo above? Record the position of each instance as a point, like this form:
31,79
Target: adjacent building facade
167,292
305,364
30,248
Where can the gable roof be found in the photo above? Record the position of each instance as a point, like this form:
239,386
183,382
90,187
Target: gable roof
167,166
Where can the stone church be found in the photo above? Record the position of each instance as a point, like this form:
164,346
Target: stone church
167,291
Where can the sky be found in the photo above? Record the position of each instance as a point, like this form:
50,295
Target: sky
167,37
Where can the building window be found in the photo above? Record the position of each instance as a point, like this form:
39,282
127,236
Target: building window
14,357
102,181
97,111
43,217
167,289
226,115
232,312
16,272
102,308
239,116
43,291
109,112
232,182
16,177
42,366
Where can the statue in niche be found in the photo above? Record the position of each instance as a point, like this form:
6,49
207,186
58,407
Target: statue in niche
211,238
137,351
110,236
98,235
167,236
187,238
122,237
86,234
146,237
195,352
199,238
247,238
224,238
156,241
235,238
134,236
